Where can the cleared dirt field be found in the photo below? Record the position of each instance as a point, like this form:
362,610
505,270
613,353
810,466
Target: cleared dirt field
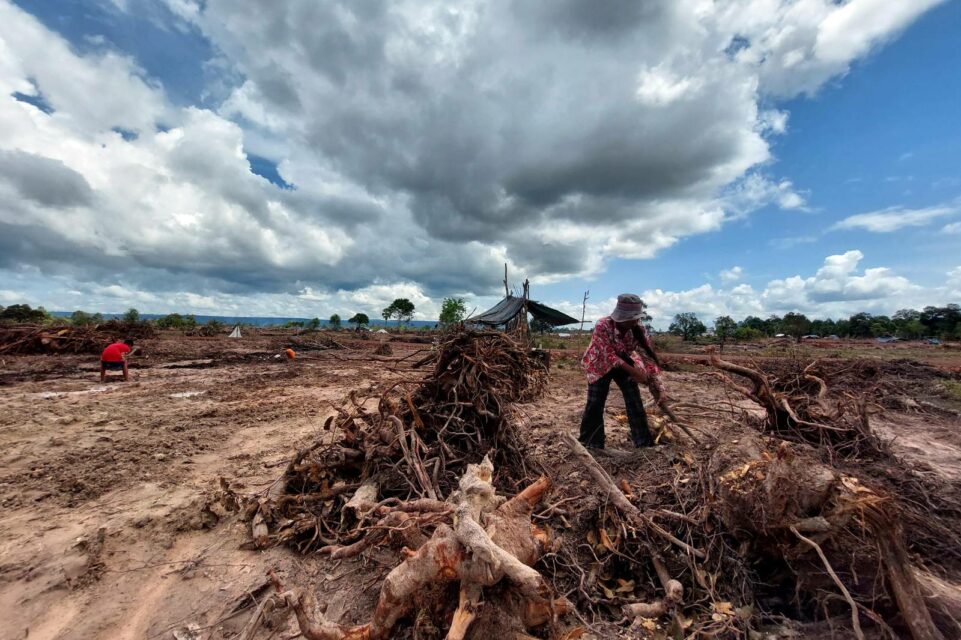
110,527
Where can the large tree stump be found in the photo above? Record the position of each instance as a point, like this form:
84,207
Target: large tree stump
491,540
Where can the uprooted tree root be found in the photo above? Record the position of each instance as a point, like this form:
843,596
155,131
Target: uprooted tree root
416,472
801,408
489,539
836,499
339,494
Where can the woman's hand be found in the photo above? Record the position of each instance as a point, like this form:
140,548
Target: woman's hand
639,375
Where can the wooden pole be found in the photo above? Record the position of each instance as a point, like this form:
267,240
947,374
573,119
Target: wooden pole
587,294
507,292
525,329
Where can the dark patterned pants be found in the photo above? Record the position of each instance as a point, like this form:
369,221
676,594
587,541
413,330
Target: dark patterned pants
592,423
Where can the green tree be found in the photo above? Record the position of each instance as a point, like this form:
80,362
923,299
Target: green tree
83,319
796,325
687,326
824,327
359,319
753,322
401,308
170,321
452,310
911,330
843,328
941,321
882,326
539,326
725,329
23,313
388,311
132,316
747,334
772,326
177,321
334,321
216,326
313,324
859,325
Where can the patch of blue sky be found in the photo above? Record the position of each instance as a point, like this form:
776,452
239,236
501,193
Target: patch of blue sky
36,100
886,135
126,134
164,46
266,168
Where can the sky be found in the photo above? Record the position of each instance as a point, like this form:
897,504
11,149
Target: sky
721,157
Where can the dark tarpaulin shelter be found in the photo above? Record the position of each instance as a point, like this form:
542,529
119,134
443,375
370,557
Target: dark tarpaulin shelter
512,306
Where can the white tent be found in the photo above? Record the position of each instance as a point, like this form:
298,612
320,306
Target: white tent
380,331
235,333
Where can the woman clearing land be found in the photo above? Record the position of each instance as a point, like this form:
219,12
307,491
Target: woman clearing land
613,356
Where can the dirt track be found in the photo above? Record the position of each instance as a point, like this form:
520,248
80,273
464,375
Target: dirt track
108,529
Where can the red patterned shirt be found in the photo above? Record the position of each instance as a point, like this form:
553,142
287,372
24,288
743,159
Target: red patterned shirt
601,355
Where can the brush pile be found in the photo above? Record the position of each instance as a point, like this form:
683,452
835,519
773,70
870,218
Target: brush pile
416,471
801,514
37,339
827,483
800,407
416,443
120,329
317,342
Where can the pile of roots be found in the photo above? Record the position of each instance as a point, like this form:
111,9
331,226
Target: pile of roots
118,328
801,408
824,509
805,515
37,339
415,443
418,470
315,342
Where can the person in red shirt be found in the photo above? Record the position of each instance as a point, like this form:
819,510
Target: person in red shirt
613,356
114,358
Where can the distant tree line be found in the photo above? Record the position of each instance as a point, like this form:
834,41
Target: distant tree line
453,310
907,324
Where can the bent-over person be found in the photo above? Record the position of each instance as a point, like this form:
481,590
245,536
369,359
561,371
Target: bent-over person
114,358
620,352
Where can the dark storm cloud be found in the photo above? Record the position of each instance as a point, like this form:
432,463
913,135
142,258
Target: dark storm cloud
489,126
46,181
599,19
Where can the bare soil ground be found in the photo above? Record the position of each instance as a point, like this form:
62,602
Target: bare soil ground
109,527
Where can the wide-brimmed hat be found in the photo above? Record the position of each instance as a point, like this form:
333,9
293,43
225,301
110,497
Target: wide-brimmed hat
629,307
